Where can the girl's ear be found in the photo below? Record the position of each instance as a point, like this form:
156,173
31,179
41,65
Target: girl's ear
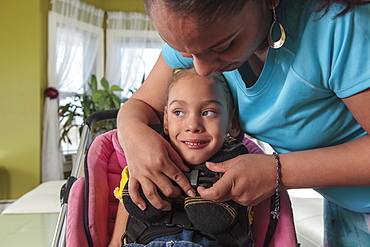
235,126
165,121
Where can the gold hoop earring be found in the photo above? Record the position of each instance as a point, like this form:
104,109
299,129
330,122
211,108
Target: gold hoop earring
281,41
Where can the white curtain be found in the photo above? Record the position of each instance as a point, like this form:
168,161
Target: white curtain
75,52
132,46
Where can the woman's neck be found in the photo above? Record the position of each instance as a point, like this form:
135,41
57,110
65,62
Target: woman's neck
258,59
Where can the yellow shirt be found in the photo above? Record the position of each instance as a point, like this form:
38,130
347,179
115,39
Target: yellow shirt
118,190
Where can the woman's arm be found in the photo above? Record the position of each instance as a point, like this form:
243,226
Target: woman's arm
249,179
151,159
345,165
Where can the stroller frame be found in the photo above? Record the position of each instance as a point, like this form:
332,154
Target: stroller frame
59,238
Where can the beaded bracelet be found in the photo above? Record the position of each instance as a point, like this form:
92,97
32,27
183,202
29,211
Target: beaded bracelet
276,212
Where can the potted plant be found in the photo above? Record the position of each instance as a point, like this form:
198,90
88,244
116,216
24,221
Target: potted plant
100,98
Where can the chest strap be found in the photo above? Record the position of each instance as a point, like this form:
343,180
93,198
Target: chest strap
174,222
226,222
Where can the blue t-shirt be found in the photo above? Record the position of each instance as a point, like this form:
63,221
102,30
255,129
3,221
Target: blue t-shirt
296,102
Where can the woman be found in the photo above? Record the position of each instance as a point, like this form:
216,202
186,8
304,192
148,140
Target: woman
306,94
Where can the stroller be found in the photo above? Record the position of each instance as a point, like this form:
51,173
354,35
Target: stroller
88,206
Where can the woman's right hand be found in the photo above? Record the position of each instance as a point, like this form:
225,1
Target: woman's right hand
153,165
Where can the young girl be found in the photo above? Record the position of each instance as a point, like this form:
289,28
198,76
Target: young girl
201,123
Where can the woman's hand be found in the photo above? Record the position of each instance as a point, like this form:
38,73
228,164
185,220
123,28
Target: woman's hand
154,165
248,180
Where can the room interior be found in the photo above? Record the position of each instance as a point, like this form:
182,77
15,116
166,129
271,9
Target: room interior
23,68
23,62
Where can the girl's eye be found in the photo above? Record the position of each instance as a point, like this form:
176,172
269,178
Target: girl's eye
178,113
208,113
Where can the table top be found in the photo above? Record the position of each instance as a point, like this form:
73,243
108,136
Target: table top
31,230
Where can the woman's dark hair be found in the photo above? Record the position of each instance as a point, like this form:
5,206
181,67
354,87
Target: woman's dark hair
204,11
209,10
324,5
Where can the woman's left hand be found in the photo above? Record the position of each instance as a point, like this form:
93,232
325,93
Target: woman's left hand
248,180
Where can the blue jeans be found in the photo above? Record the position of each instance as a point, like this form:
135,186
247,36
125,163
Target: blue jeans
345,228
184,239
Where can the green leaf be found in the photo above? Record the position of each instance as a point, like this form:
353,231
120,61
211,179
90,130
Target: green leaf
110,103
69,120
87,112
116,101
143,79
104,83
103,92
115,88
96,96
101,103
94,84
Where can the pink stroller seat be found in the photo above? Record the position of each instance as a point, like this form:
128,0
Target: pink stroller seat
92,205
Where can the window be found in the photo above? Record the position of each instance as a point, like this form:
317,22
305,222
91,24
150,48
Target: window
133,46
75,50
135,63
78,53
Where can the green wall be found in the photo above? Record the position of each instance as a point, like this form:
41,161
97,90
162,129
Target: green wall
23,72
118,5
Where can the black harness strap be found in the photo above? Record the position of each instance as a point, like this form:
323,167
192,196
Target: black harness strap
143,233
241,239
247,74
137,229
272,224
237,236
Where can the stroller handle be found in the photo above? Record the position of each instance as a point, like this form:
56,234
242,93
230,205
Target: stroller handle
86,129
100,115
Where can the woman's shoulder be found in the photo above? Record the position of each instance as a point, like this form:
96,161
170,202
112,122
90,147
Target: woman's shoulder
336,48
300,17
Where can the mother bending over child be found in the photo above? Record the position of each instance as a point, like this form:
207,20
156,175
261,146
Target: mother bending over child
299,71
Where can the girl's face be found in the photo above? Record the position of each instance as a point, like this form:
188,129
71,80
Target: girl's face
220,46
196,118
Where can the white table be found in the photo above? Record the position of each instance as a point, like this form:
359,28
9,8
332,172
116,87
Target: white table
31,230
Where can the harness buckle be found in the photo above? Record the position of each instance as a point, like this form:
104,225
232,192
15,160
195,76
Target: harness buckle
200,175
